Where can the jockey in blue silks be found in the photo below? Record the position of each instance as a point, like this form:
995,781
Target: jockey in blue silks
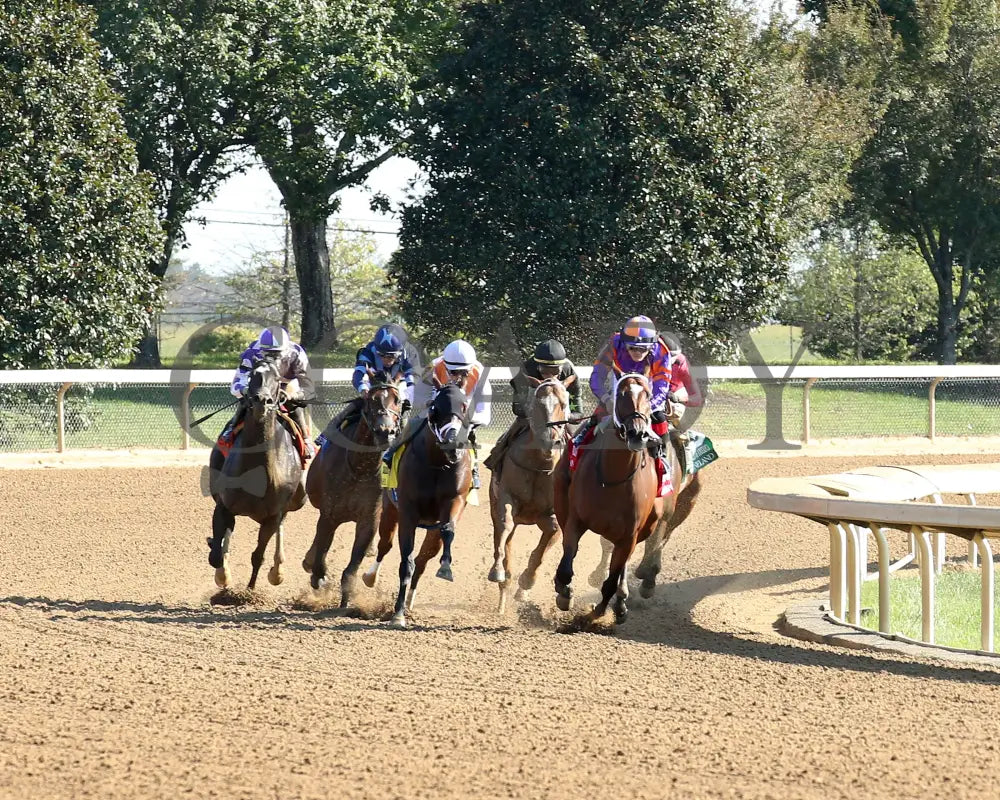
275,344
387,353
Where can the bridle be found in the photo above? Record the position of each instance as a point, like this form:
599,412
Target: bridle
557,422
636,414
375,391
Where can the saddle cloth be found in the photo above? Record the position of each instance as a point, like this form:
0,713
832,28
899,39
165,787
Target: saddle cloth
225,442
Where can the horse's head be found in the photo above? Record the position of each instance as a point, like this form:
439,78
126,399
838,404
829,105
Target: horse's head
548,413
263,388
632,410
382,409
446,418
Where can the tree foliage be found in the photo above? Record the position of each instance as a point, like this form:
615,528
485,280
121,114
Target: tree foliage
333,83
861,299
588,162
76,226
183,69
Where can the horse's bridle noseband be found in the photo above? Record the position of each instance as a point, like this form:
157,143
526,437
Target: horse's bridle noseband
396,414
620,423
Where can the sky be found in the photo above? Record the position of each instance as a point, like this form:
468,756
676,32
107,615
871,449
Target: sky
245,217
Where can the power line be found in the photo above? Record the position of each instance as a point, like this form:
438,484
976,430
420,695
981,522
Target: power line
282,225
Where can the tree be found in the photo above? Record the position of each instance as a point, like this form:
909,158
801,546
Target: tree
588,162
929,173
182,68
361,293
334,82
76,227
823,106
862,299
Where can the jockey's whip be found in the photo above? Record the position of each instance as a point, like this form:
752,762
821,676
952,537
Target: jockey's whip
207,416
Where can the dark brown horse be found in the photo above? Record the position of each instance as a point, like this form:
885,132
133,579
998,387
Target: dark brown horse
261,478
521,492
343,481
435,474
613,493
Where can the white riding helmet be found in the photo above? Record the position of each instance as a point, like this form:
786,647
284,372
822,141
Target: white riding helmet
459,355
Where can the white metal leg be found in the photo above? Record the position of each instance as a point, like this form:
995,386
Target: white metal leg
973,550
926,584
882,542
853,575
838,574
986,631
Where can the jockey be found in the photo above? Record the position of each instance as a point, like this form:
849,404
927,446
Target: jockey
386,353
548,361
684,389
274,343
635,349
457,364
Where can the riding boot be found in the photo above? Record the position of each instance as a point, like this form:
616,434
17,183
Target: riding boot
412,427
475,459
301,417
228,432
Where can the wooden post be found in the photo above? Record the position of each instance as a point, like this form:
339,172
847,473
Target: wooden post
805,409
61,417
932,407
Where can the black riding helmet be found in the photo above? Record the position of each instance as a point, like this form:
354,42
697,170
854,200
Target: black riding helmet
549,353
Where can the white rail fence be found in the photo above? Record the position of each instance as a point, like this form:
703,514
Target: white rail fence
780,406
880,500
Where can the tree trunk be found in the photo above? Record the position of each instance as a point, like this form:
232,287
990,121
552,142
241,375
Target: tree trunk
312,267
947,329
147,354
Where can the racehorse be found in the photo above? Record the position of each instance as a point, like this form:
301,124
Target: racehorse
521,492
343,481
434,477
260,478
613,492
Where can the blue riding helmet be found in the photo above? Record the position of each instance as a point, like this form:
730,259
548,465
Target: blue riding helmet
387,343
274,339
639,332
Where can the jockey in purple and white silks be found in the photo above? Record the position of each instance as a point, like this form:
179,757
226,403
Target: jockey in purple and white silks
275,344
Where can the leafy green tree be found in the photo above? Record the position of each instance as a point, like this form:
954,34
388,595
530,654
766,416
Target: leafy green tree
930,171
361,293
333,85
588,162
861,299
182,67
76,226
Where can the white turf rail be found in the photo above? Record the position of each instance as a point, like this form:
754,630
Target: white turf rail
881,499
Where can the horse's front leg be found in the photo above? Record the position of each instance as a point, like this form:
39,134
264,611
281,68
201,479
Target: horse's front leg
315,560
526,582
223,523
274,575
503,529
616,582
429,549
600,572
407,534
386,531
571,534
364,532
447,535
267,530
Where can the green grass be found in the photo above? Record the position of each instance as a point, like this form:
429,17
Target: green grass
778,344
956,609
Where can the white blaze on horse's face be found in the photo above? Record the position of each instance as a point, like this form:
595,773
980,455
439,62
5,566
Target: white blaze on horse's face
442,433
636,387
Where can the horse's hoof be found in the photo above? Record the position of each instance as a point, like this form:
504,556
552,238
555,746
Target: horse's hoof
526,581
369,578
307,565
444,573
398,620
621,614
647,587
216,558
562,602
521,595
317,582
497,575
343,601
274,576
221,577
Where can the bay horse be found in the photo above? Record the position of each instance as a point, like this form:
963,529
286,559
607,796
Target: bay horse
521,492
343,481
434,478
613,493
260,478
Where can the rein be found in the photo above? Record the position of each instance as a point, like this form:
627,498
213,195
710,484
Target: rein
635,469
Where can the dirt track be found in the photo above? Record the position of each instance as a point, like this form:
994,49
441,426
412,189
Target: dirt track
121,680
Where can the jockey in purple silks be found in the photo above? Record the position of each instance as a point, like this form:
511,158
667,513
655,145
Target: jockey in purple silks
275,344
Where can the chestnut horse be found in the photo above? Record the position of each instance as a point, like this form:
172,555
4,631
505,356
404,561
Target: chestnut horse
261,478
343,481
613,493
434,477
521,492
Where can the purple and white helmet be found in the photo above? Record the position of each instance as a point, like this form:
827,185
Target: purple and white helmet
274,339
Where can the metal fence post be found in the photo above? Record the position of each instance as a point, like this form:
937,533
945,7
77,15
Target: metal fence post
186,416
932,404
805,409
61,417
